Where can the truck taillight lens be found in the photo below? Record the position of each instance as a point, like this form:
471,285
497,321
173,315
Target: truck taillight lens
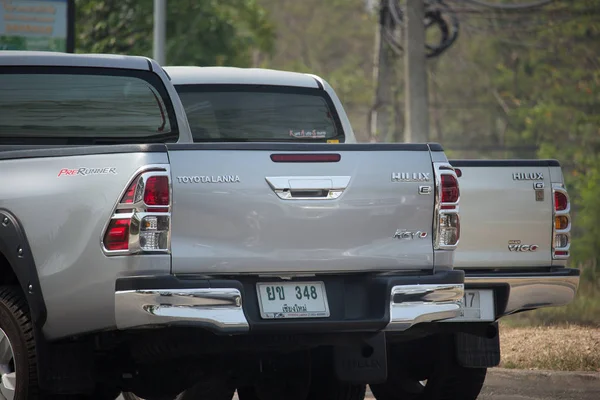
141,221
449,230
117,235
560,201
156,191
561,230
449,189
154,233
561,240
561,222
446,218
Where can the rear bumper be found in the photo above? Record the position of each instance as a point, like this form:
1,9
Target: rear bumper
365,303
515,291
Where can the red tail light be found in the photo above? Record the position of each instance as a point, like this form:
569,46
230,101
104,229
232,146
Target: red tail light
141,221
450,192
117,235
156,191
129,194
560,201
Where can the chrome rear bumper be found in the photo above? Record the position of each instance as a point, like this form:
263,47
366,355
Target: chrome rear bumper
213,308
413,304
221,309
528,291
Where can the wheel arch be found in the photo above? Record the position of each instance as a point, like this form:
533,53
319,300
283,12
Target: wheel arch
18,266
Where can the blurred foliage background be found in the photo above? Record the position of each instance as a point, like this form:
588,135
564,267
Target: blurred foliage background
515,84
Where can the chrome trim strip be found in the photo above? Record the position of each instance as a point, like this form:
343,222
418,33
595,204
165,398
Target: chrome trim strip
284,186
424,303
531,292
217,308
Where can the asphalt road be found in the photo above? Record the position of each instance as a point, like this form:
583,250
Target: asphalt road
505,384
508,384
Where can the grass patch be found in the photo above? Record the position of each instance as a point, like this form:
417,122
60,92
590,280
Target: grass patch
559,348
584,310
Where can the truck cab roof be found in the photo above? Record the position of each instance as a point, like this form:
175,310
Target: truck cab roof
47,58
190,75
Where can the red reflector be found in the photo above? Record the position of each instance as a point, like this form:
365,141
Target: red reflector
560,201
117,235
306,157
449,189
458,172
156,192
561,253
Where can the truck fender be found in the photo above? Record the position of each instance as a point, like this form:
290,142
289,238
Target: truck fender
15,247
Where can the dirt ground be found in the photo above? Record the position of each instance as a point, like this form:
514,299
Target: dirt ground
568,348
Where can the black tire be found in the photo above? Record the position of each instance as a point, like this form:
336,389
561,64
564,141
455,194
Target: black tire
446,378
336,390
208,391
247,393
15,322
131,396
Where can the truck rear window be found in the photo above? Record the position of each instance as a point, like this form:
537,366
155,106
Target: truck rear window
259,113
47,105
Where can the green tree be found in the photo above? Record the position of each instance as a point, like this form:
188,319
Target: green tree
333,39
208,32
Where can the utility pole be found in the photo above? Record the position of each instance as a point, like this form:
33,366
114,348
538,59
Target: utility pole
160,31
380,121
416,101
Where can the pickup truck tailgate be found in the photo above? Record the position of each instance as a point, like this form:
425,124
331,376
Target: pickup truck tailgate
263,208
506,213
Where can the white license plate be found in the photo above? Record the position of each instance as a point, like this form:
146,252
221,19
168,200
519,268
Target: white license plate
476,305
292,300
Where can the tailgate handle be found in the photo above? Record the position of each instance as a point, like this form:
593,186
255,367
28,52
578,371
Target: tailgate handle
308,187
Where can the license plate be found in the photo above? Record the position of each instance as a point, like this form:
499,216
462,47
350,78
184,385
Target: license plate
476,305
292,300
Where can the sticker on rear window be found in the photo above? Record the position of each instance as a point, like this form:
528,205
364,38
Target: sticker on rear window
308,134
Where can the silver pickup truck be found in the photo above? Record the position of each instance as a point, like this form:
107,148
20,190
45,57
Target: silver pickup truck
263,250
514,233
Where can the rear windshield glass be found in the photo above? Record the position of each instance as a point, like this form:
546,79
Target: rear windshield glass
83,105
259,113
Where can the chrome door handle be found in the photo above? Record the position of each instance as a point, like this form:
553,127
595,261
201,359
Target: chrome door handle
308,187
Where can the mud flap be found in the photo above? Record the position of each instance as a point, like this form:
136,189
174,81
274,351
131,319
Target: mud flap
474,351
365,362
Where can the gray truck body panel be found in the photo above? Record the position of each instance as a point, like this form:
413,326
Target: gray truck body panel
497,209
64,218
244,227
